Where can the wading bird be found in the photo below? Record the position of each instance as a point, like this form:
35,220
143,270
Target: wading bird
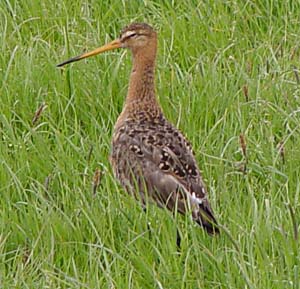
150,157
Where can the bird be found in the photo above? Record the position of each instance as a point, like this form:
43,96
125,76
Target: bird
150,157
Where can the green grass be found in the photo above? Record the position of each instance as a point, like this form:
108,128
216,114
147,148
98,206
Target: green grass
224,69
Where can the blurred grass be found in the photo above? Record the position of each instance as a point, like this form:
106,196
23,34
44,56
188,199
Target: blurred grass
225,69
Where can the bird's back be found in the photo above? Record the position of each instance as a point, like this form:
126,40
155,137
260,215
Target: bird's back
154,162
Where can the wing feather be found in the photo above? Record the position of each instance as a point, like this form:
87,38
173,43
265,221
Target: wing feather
162,161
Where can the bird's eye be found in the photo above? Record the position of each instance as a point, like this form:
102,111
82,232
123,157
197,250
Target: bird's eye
129,35
132,35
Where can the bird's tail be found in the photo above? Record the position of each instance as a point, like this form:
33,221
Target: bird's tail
206,219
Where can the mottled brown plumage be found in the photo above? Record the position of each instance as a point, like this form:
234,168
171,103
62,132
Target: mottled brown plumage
150,157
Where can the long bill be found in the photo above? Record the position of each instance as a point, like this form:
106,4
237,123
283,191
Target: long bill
112,45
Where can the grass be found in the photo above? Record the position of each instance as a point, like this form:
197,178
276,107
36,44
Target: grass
226,71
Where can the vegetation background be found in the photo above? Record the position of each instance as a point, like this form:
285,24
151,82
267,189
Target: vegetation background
227,75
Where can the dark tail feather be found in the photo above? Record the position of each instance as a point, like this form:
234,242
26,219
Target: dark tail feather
207,220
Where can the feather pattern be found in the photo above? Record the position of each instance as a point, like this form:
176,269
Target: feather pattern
154,161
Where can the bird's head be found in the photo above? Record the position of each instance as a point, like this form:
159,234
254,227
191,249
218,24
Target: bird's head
136,37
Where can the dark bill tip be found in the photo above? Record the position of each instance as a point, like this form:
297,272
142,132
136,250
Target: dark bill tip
76,58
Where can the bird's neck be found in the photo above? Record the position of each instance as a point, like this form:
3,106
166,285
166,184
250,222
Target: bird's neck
141,90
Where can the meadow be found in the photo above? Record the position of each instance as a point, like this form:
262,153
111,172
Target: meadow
227,75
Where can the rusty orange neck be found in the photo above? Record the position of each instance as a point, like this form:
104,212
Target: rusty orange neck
142,83
141,99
